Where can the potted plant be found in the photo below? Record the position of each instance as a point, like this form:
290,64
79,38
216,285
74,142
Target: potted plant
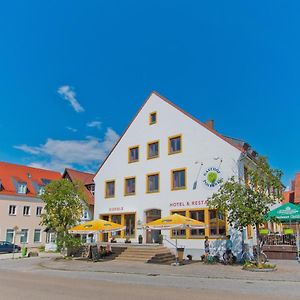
160,239
140,239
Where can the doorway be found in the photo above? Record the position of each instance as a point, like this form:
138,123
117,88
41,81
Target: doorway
152,236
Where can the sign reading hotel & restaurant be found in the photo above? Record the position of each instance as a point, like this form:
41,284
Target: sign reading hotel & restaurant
116,208
188,203
212,177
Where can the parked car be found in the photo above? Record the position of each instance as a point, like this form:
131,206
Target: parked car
7,247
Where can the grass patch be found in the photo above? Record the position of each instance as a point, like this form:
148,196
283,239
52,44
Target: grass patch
253,266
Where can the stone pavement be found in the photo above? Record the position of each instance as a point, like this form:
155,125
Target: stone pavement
286,270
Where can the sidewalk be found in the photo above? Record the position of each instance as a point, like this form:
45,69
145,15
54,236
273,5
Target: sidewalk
286,270
19,255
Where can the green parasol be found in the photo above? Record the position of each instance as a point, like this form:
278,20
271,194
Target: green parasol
288,212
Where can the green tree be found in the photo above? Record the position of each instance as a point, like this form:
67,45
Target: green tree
64,204
248,202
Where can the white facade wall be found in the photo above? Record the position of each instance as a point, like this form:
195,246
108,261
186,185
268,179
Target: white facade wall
199,146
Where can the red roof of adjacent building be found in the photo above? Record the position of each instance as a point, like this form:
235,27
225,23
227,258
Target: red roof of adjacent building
12,174
85,178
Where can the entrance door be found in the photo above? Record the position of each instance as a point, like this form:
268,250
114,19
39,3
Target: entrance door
105,235
152,236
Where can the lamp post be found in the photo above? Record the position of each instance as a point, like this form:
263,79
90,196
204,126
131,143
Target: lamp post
14,239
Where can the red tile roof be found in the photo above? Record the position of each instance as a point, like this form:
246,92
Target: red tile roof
10,173
85,178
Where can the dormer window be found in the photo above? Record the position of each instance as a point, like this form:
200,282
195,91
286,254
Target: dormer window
22,188
41,190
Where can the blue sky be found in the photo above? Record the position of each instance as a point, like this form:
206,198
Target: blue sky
236,62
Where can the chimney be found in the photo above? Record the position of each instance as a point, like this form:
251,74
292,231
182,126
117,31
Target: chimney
210,124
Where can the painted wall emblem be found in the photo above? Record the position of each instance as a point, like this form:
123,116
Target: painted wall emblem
212,177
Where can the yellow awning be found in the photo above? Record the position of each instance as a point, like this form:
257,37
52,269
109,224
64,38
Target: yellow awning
96,226
175,221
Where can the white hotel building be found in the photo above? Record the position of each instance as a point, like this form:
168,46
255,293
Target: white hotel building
167,161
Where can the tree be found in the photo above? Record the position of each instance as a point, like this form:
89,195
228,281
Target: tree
248,202
64,203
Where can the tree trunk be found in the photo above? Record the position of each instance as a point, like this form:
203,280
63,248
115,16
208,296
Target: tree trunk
258,244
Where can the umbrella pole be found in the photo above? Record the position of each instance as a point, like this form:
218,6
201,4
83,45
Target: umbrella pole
298,243
176,251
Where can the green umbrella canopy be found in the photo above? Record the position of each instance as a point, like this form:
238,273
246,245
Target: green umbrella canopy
288,212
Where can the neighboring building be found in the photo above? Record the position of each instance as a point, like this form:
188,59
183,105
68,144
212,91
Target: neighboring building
89,192
167,161
293,195
20,203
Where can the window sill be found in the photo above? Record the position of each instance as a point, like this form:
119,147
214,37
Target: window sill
110,197
152,192
175,152
153,157
178,189
133,161
133,194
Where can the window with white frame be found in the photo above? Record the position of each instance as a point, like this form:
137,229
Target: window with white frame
22,188
37,236
24,236
39,210
12,210
91,188
26,210
10,235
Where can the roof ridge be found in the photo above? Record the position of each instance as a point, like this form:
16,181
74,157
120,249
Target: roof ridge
28,167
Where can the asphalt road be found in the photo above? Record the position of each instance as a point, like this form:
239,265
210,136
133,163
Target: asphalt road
25,279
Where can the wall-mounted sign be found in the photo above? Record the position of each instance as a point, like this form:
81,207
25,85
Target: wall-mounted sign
188,203
212,177
116,209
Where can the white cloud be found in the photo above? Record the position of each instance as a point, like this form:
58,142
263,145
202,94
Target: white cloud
59,154
68,94
71,129
28,149
95,124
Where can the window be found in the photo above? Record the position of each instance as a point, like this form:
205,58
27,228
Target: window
26,210
130,225
178,179
50,237
175,144
152,118
41,190
110,189
129,186
181,233
152,183
198,215
22,188
10,235
91,188
133,154
12,211
217,223
153,150
37,236
24,236
85,214
117,219
39,210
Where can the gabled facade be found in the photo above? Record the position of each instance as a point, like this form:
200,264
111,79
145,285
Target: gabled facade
165,162
87,180
20,203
